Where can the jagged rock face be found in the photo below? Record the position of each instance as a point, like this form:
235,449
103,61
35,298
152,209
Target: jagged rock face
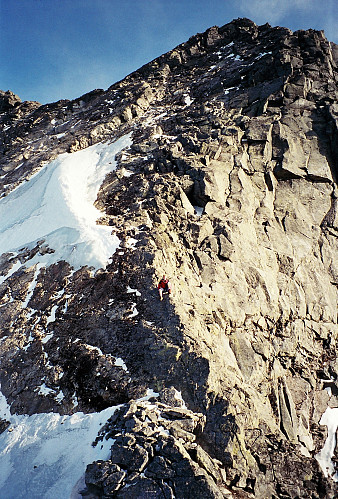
155,449
230,189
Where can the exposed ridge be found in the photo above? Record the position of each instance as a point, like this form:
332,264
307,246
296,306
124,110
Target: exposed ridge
225,179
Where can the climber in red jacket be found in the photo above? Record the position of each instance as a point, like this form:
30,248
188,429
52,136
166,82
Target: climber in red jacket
164,286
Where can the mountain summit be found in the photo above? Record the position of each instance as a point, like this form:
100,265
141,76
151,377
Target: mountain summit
215,164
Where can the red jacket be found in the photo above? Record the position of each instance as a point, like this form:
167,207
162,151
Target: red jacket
163,283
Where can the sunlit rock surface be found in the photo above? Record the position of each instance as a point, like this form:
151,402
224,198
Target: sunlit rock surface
222,174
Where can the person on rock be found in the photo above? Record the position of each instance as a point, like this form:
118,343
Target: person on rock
164,286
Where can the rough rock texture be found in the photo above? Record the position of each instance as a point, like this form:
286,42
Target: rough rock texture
155,450
229,188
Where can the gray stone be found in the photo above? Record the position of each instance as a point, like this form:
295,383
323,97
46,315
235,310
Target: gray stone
132,458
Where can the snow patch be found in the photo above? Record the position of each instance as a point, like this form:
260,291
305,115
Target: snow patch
324,457
131,242
227,90
51,318
32,285
150,394
44,390
75,401
65,307
5,412
188,100
127,173
120,363
29,342
47,338
178,396
134,311
57,204
45,455
328,390
262,54
60,396
131,290
15,267
163,431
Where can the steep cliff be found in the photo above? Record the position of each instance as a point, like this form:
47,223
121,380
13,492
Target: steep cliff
216,164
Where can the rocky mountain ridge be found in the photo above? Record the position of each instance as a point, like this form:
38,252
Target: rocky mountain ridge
229,187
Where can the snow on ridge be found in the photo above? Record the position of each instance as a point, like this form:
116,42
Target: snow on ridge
57,205
45,455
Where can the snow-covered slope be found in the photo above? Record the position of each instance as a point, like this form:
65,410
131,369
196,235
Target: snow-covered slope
57,205
45,455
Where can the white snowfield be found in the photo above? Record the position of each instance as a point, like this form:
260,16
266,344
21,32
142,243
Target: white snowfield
57,205
44,456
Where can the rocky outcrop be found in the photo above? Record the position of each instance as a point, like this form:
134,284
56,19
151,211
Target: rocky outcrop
230,189
155,450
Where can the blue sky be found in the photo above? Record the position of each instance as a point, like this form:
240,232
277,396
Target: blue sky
60,49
